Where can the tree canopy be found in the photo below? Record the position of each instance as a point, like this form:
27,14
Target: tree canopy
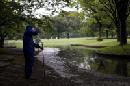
96,16
117,10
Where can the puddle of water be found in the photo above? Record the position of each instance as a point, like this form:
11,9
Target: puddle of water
54,61
67,61
90,61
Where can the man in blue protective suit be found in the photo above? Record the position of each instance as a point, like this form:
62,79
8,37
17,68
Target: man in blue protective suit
28,49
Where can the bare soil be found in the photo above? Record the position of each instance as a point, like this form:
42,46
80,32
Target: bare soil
13,74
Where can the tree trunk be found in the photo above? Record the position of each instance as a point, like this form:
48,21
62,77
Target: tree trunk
122,9
118,33
1,42
58,36
68,35
123,33
122,18
112,35
100,25
107,34
117,24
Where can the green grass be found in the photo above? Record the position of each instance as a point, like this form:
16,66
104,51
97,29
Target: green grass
111,43
66,42
117,50
84,41
17,43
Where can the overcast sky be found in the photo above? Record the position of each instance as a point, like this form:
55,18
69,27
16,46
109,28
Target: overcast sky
43,11
48,9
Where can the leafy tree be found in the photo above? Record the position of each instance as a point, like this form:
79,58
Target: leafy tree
93,9
118,10
66,22
46,20
9,18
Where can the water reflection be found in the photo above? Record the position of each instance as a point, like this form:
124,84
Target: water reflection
121,68
50,58
90,61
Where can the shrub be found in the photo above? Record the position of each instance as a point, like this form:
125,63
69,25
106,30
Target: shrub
99,39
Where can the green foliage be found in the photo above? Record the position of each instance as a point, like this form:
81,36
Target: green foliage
118,11
99,39
45,24
97,18
65,23
9,18
91,21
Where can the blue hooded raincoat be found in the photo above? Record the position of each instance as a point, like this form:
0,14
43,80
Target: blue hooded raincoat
28,49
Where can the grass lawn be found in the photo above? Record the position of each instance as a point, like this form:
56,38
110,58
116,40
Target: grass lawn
84,41
117,50
111,43
66,42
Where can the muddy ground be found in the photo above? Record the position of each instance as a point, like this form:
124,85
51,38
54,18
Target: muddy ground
12,74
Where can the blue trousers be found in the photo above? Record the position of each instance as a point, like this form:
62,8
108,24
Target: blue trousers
29,61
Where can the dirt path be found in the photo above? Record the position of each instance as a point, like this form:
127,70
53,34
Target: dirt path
12,74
